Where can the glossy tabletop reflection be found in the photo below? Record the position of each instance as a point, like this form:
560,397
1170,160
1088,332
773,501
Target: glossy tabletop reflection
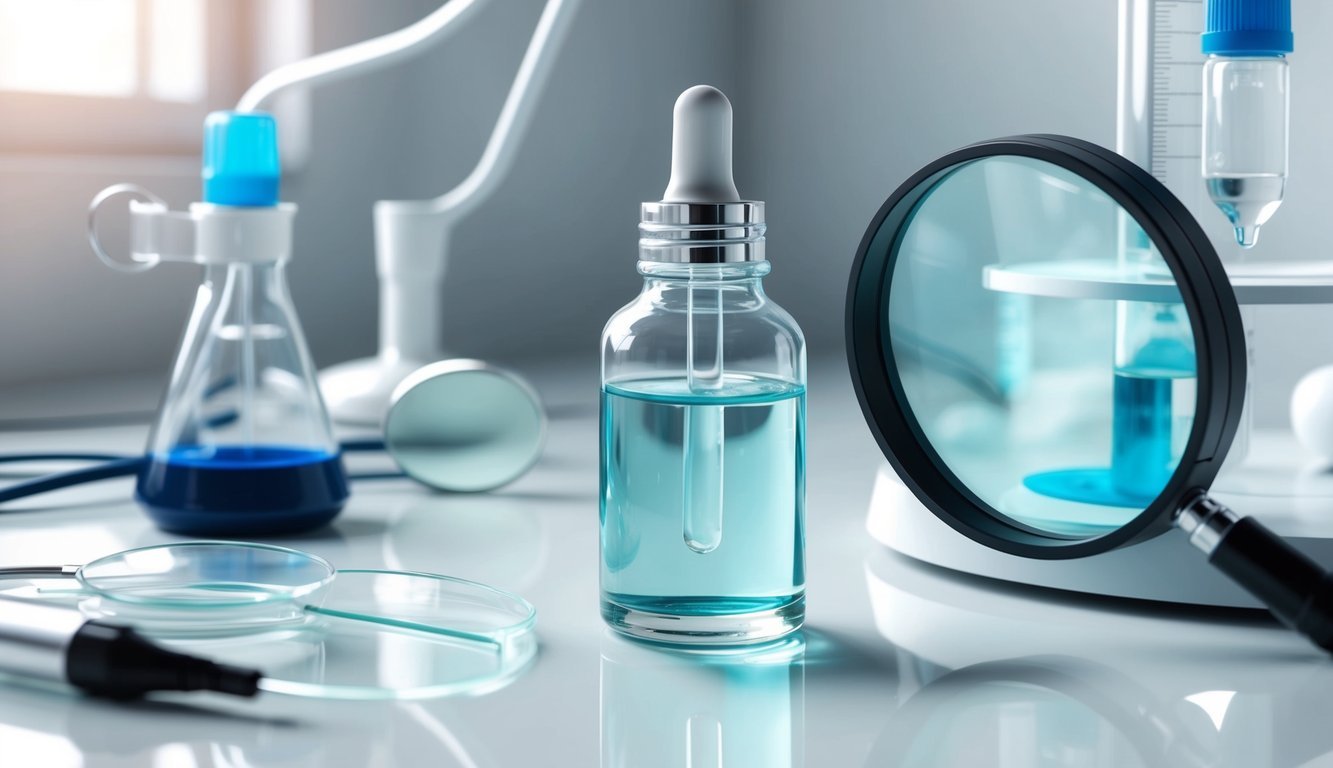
901,664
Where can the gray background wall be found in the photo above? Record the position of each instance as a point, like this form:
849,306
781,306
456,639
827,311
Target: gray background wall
837,102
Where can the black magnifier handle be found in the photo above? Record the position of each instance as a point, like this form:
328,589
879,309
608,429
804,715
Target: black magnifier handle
1297,590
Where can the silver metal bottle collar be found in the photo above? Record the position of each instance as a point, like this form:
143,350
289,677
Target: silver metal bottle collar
702,233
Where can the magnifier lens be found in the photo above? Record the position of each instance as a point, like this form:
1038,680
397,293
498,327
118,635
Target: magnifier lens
1040,345
207,574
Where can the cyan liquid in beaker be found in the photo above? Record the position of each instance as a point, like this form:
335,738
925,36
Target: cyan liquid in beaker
228,489
1153,413
703,507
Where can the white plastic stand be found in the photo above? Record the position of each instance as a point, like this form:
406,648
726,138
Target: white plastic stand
411,236
410,262
411,242
1280,490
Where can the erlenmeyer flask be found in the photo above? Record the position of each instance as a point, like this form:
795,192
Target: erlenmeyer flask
242,444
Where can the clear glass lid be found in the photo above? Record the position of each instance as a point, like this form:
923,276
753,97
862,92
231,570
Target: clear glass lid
207,574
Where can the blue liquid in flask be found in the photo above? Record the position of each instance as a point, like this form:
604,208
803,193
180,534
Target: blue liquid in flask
242,490
702,508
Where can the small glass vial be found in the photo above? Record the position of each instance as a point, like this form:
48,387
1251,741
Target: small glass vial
1245,109
703,417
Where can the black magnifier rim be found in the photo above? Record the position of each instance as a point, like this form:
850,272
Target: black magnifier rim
1210,303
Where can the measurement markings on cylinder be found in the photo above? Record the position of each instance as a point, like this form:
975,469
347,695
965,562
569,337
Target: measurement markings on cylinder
1176,105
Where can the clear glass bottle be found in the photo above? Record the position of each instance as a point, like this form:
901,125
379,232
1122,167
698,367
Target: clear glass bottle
1245,110
703,438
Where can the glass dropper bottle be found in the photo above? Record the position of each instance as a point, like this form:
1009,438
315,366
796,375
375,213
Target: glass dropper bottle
703,415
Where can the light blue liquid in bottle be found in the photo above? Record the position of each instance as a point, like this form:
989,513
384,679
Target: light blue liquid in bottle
703,499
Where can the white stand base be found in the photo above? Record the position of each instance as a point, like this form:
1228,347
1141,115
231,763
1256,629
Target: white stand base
1274,484
357,392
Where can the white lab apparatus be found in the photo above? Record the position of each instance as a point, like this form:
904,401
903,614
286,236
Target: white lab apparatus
412,236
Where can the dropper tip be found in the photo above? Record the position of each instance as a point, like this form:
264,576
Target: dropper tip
1246,237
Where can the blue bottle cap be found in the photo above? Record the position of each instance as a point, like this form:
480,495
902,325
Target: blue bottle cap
241,159
1248,28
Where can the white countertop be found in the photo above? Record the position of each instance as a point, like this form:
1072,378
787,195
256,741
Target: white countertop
903,664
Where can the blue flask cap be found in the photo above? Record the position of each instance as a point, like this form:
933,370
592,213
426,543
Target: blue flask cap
241,159
1247,28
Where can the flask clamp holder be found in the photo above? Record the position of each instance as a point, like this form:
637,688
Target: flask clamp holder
206,234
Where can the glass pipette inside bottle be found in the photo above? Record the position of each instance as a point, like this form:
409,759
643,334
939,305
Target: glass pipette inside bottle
705,433
701,172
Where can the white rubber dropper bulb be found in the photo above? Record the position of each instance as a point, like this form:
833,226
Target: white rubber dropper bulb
701,149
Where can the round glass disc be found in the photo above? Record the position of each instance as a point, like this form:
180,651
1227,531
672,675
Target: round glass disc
463,425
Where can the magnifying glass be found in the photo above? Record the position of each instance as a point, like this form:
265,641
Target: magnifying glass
1049,352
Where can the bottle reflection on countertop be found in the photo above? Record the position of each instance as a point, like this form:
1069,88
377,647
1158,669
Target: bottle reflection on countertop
664,708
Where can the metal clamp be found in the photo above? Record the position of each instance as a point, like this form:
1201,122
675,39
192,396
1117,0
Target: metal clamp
137,263
1206,521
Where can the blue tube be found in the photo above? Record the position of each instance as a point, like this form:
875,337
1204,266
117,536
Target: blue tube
118,468
113,465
